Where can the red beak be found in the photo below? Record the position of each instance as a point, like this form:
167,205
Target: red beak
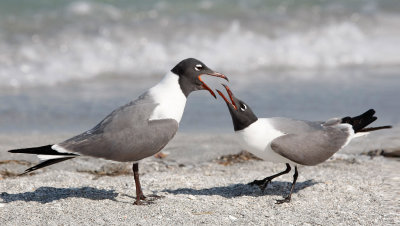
215,74
230,96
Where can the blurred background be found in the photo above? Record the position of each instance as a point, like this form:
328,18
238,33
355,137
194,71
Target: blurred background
64,65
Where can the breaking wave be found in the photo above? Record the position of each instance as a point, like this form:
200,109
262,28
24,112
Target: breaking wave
86,39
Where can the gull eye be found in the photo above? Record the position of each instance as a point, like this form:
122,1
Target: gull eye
243,107
198,67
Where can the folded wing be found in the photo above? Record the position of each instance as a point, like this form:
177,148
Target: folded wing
310,143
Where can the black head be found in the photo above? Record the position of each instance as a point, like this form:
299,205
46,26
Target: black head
242,115
189,72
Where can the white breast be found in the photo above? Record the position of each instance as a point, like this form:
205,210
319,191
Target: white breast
257,138
170,98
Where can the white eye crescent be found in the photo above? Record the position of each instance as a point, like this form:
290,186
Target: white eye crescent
243,107
198,67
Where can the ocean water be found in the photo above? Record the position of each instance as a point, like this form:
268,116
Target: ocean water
64,65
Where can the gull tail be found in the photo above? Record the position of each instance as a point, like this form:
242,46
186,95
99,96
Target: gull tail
360,122
46,153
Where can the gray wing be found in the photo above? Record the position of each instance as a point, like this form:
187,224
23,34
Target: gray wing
126,134
311,143
294,126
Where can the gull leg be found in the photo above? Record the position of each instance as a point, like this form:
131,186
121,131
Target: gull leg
288,198
139,192
262,184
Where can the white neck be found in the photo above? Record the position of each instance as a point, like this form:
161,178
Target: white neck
169,97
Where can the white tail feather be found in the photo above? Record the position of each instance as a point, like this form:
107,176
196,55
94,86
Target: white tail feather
60,149
47,157
360,134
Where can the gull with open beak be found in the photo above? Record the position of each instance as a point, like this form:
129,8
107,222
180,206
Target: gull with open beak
136,130
291,141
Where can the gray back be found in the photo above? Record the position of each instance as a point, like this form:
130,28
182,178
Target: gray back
126,134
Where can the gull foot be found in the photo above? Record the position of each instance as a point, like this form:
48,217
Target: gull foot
262,184
147,200
285,200
143,202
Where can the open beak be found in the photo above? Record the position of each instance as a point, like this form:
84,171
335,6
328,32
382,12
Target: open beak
215,74
232,102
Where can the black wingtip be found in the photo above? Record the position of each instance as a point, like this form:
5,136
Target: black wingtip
369,129
14,151
22,174
370,112
361,121
46,149
42,150
44,164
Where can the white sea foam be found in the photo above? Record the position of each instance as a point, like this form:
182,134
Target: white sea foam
89,39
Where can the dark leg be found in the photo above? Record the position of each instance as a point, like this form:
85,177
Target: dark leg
139,192
262,184
288,198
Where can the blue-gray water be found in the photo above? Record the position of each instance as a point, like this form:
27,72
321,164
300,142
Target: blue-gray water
64,65
74,107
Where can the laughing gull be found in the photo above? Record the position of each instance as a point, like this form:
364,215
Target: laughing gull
291,141
136,130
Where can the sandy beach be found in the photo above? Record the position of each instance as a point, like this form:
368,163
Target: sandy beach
66,64
197,188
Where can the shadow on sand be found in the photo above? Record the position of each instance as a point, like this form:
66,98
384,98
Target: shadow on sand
49,194
235,190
